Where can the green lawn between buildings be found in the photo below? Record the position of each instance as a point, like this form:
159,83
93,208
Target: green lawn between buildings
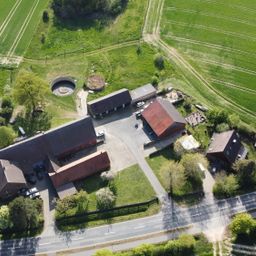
132,187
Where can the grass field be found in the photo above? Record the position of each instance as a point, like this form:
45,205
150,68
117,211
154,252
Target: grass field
87,34
18,22
218,38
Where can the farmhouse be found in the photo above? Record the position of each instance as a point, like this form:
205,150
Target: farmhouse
143,93
110,103
163,118
226,147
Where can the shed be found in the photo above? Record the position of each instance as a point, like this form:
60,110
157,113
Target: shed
110,103
143,93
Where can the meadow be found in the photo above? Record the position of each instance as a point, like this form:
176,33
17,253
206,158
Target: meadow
218,39
18,22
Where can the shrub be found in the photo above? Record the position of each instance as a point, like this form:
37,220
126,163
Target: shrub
159,61
143,250
4,217
225,186
223,127
105,199
242,224
108,176
42,38
154,80
45,17
7,136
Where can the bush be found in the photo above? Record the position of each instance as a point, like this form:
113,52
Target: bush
105,199
225,186
4,217
155,81
42,38
45,17
223,127
159,61
7,136
143,250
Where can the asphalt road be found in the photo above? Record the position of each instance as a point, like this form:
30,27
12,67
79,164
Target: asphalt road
201,217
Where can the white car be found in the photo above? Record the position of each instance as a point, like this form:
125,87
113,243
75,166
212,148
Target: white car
140,104
100,134
31,191
34,195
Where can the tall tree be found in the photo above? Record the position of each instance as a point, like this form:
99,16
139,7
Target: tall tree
4,217
30,91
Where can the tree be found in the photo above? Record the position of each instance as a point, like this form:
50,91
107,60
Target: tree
105,199
81,8
225,186
242,224
108,176
4,217
159,61
192,163
217,116
25,213
143,250
154,80
246,172
177,177
234,121
104,252
7,136
7,109
30,91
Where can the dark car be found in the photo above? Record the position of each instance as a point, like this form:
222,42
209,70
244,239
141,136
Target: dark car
31,178
22,192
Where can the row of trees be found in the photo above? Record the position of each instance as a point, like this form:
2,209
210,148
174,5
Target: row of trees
183,246
243,178
82,8
22,214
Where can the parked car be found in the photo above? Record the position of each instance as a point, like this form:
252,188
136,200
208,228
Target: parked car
101,134
140,104
31,191
22,191
31,178
138,113
34,196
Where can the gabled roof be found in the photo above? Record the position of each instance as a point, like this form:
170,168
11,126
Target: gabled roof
226,143
161,115
81,168
10,173
142,92
53,142
109,102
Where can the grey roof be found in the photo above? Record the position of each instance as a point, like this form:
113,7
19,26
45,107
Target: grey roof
142,92
10,173
227,143
172,111
53,142
109,102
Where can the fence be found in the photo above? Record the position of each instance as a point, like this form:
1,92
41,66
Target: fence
106,214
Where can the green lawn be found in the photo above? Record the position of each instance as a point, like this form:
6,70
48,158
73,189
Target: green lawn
132,187
18,24
131,184
73,35
218,39
122,68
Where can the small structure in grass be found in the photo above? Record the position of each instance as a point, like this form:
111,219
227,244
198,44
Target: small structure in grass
95,82
63,86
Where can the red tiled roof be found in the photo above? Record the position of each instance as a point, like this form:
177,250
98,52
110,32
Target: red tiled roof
161,115
81,168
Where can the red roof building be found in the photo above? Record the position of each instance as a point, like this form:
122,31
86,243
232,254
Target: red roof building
163,118
82,168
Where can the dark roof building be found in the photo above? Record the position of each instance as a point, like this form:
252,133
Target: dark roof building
143,93
80,169
57,143
225,146
163,118
11,179
110,103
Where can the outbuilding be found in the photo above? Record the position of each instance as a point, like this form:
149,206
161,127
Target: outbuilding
163,118
110,103
143,93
